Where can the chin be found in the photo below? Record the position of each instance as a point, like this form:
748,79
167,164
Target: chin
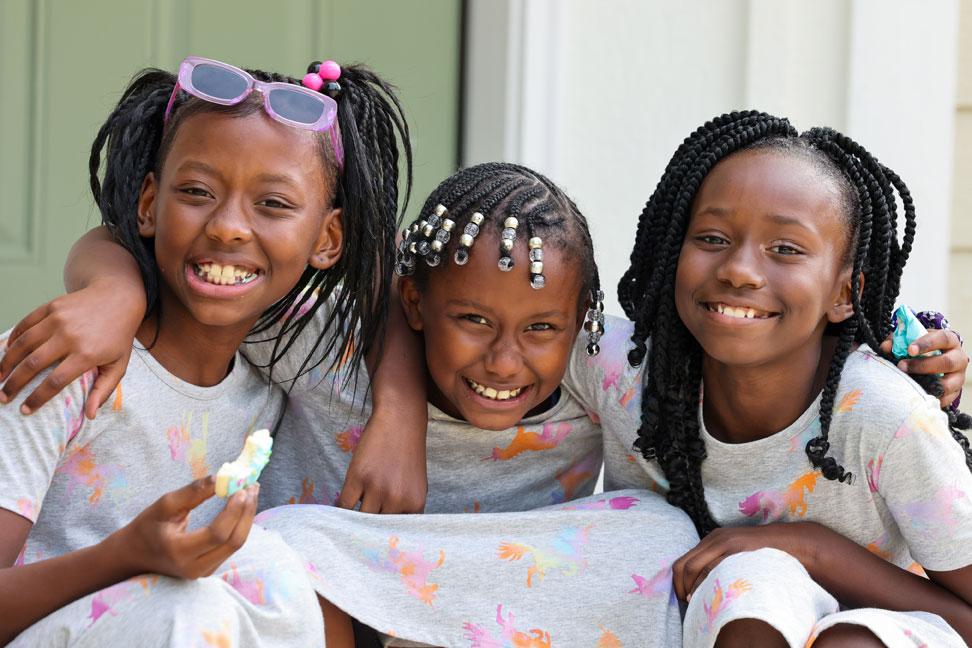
495,422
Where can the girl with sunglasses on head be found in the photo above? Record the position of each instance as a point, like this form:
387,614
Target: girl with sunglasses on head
240,196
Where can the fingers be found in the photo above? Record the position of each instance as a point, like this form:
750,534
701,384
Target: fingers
179,502
351,493
63,375
226,540
33,318
886,346
934,340
690,570
371,502
952,385
104,385
951,362
35,361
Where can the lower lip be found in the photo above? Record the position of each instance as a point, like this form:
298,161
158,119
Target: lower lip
489,403
729,320
216,291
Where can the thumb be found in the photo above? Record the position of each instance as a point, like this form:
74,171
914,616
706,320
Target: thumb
105,383
179,502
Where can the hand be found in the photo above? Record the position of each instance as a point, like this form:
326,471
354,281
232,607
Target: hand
387,472
93,327
952,363
157,542
801,540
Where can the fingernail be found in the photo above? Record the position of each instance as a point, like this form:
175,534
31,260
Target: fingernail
3,398
913,350
24,410
903,366
688,598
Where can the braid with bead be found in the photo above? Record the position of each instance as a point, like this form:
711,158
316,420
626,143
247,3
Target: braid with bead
495,192
669,431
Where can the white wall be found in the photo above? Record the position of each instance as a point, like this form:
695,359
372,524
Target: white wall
599,94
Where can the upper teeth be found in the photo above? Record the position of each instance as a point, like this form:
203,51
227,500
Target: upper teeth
494,394
224,275
732,311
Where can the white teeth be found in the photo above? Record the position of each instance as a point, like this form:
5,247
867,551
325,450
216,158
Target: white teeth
740,312
492,393
750,313
223,275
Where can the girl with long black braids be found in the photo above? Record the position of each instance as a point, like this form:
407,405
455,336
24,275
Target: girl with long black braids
765,270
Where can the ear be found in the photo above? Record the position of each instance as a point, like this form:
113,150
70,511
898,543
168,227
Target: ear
411,302
146,206
330,242
843,305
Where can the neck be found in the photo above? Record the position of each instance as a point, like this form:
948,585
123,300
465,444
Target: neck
188,349
744,404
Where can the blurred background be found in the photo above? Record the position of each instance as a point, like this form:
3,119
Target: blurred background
595,94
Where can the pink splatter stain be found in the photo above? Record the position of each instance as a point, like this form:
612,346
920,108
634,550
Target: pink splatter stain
572,478
564,554
659,584
774,505
251,589
348,440
509,637
83,471
411,566
621,503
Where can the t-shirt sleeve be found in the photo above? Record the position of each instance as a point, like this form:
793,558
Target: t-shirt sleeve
609,388
927,486
31,446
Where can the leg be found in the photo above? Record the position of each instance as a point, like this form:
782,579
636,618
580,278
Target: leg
338,632
846,635
749,633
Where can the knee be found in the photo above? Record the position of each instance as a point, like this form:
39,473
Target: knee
746,633
847,635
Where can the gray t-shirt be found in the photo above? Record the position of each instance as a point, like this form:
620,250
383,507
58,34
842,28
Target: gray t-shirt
909,501
79,480
546,459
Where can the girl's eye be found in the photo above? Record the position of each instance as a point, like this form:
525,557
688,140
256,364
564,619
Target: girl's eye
711,239
274,203
475,319
196,191
785,250
540,326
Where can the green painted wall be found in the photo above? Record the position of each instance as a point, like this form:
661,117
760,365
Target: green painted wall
64,64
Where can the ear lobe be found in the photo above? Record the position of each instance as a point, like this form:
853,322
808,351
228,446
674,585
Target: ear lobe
330,242
146,206
411,302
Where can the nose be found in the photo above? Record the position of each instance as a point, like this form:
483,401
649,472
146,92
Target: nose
741,268
504,359
229,223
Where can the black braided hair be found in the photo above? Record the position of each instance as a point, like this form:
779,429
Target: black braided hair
497,191
373,127
669,429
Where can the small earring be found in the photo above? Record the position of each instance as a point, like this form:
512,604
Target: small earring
594,322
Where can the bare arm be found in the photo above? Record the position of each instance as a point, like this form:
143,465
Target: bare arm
388,470
91,326
154,542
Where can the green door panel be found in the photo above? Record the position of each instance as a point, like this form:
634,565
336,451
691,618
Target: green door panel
64,64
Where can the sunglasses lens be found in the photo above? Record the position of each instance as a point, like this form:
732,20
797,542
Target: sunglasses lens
296,106
218,82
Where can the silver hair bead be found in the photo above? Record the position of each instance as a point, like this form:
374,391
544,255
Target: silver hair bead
536,254
505,263
462,256
433,260
537,281
466,240
511,222
476,218
413,247
440,210
508,233
424,247
436,245
506,244
448,224
442,235
434,221
472,229
535,242
536,267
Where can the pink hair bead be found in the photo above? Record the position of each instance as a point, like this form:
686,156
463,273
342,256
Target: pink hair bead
312,81
330,71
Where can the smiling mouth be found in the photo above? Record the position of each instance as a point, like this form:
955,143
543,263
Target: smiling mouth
738,312
492,393
224,275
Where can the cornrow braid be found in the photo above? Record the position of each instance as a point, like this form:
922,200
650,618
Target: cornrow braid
869,193
135,142
503,197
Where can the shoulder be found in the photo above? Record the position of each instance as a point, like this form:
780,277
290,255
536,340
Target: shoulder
876,394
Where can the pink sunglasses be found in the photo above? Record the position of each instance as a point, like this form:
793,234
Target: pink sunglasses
287,103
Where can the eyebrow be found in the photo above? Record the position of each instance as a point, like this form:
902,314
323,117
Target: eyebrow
781,219
467,303
196,165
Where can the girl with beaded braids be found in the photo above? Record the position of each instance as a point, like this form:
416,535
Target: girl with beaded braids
243,198
765,270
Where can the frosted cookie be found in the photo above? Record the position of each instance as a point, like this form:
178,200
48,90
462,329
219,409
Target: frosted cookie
246,469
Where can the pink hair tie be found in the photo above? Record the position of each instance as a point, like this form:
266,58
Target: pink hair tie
322,76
